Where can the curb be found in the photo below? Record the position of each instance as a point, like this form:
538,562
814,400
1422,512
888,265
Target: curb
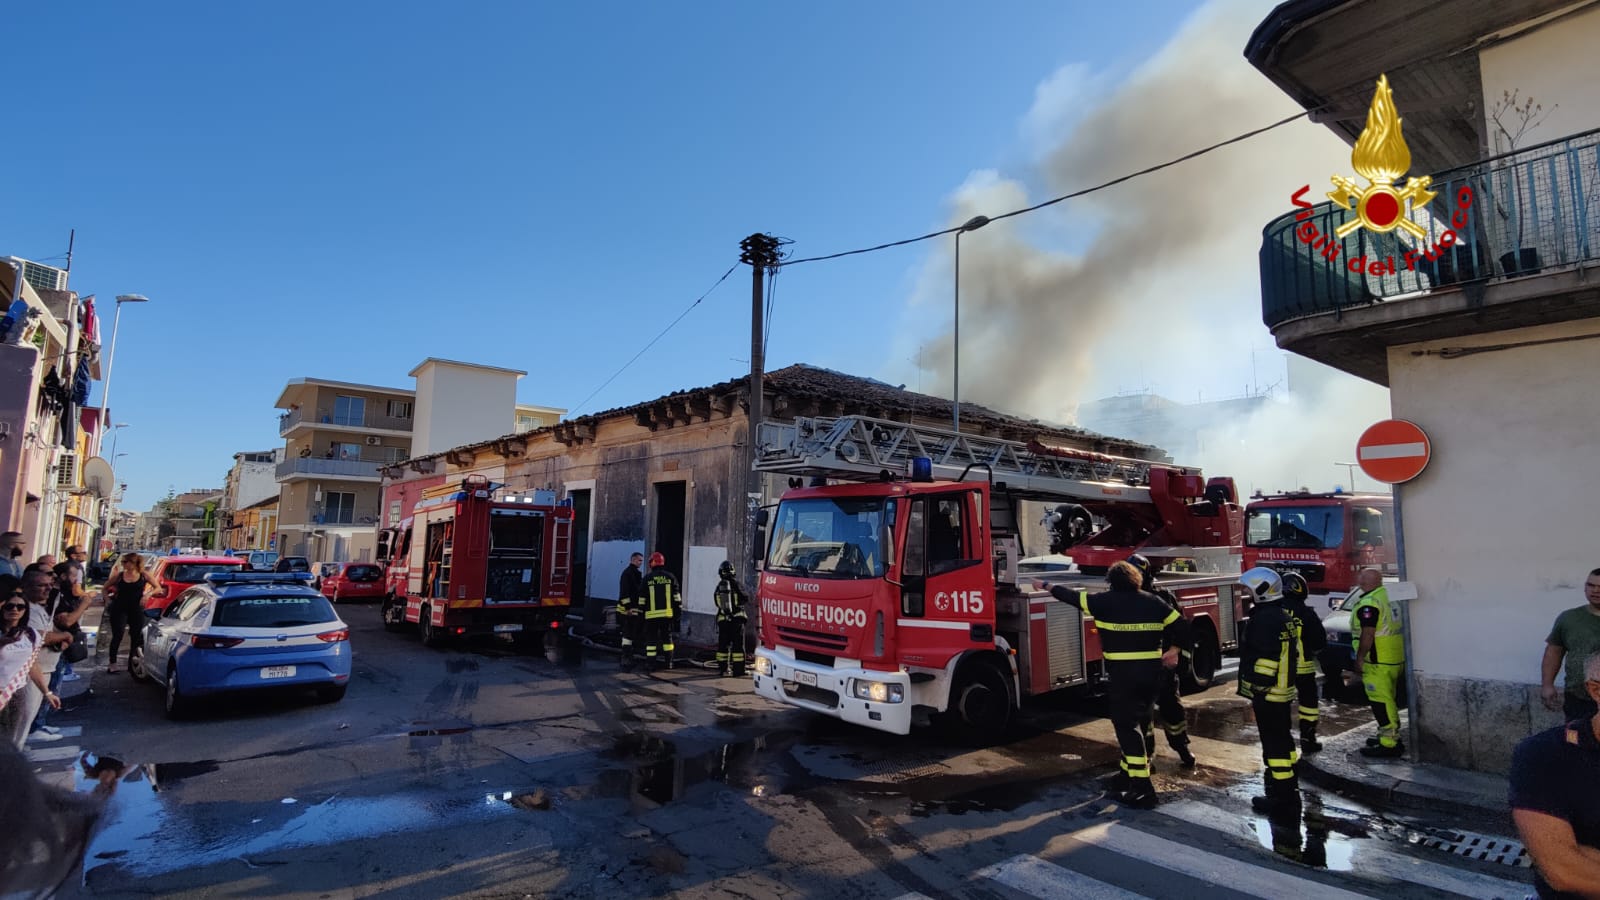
1341,768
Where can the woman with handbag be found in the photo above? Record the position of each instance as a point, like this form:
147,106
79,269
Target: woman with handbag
19,661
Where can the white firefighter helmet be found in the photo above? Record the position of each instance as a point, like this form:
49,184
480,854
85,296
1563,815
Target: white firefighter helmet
1265,585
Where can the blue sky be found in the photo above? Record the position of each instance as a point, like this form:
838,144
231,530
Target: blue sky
340,190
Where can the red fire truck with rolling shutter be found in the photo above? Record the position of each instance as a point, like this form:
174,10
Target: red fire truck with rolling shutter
468,562
892,599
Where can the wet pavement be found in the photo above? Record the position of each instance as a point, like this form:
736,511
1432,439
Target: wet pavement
475,771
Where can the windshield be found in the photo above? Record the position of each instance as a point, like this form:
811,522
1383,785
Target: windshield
194,573
826,538
1302,527
363,573
272,612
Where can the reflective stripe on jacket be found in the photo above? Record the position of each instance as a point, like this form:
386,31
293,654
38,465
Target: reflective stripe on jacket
661,596
1389,641
730,599
1268,654
1134,626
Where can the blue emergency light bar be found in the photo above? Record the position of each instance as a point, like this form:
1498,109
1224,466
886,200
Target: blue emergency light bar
921,468
259,578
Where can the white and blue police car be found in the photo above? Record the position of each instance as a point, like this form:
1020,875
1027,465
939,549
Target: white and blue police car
244,631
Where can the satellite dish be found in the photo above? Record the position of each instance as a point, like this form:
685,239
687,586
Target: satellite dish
97,476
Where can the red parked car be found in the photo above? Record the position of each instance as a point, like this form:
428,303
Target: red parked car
354,581
177,574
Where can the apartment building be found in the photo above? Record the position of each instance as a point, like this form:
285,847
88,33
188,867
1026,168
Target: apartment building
251,479
339,434
336,436
1482,328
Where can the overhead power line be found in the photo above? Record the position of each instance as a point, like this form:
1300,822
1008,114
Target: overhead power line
1078,193
646,347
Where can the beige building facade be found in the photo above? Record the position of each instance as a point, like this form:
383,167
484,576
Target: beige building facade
1485,342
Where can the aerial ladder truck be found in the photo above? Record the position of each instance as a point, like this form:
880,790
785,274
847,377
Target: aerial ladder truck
889,591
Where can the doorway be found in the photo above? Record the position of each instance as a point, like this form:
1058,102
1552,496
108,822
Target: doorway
580,547
671,502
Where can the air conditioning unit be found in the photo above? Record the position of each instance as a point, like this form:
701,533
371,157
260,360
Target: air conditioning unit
67,470
374,441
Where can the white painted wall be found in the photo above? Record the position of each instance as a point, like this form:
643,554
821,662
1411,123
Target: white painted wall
1555,64
257,481
1501,529
606,562
460,404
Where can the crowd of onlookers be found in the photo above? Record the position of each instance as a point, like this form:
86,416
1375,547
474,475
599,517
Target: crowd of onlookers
41,605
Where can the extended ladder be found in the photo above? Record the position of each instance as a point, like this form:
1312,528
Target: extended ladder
858,448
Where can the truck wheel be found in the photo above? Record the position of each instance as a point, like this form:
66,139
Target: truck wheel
393,614
981,711
1203,672
431,636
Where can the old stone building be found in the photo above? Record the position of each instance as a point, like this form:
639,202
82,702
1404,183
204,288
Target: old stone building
670,474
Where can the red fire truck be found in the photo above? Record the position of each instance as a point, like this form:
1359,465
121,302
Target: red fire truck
1327,538
476,564
891,599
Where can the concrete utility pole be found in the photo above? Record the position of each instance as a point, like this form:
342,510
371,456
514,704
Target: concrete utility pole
760,253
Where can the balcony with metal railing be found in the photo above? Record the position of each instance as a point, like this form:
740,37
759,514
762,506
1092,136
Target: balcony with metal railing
317,467
328,418
1504,243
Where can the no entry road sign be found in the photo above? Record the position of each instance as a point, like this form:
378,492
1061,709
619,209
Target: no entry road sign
1393,451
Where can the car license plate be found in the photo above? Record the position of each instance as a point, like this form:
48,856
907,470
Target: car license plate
805,678
501,629
278,672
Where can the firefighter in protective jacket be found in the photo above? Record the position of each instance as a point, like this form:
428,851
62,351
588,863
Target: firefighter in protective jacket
1268,652
663,608
731,616
1313,639
1138,640
1169,707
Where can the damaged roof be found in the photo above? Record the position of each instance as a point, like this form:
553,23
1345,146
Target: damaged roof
856,395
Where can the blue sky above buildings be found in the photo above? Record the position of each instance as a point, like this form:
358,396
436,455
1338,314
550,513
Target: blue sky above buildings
340,190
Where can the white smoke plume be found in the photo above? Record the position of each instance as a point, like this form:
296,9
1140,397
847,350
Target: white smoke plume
1152,284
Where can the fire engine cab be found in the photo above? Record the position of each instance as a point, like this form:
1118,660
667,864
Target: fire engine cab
895,597
468,563
1326,537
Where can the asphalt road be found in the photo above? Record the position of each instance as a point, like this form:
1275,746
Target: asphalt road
476,771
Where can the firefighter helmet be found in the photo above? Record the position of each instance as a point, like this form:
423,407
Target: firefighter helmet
1142,563
1265,585
657,560
725,570
1295,588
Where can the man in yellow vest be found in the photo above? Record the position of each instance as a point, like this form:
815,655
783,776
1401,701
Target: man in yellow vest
1380,659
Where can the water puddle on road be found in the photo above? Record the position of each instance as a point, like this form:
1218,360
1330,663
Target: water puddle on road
657,772
148,831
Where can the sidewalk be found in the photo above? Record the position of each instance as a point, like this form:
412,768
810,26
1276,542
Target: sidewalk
55,762
1397,782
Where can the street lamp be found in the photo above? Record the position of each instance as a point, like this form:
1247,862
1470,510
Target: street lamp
1350,469
114,429
111,358
972,224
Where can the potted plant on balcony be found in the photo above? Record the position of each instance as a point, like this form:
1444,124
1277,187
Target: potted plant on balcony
1511,118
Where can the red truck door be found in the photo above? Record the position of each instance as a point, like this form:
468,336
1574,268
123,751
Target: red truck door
947,604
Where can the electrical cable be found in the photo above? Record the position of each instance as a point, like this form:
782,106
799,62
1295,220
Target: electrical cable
1078,193
635,357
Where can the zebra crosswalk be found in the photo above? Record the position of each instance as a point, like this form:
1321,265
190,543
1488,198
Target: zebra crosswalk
1197,849
52,761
